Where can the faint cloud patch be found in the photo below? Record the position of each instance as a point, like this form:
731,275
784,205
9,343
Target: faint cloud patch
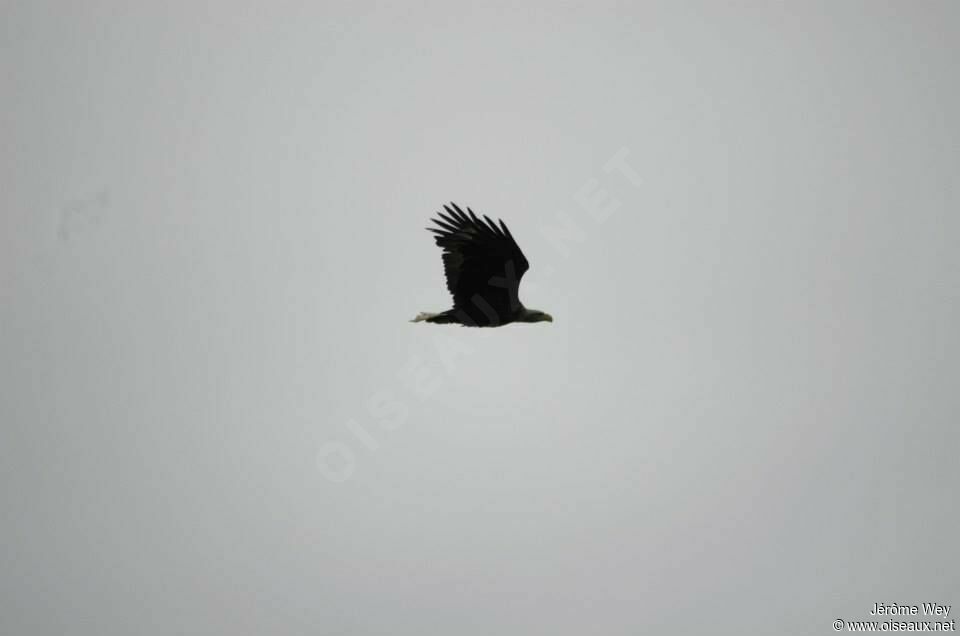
83,214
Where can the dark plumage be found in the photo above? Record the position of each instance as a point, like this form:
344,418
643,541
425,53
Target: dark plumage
483,266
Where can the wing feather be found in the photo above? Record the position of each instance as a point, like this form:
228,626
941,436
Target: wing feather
480,258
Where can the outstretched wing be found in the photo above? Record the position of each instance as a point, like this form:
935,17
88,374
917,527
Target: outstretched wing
482,262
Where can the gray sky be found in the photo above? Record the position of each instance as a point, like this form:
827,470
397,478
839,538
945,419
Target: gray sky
216,419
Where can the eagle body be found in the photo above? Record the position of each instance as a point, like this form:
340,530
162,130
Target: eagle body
483,266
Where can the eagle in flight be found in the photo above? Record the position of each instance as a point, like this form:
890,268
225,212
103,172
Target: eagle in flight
483,266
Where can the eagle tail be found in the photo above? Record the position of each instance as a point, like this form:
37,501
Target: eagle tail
443,317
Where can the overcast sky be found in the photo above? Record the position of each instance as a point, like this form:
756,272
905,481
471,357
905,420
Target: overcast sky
215,417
